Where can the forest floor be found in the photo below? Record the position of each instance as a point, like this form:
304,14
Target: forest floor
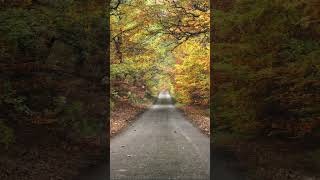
42,155
199,116
272,159
123,114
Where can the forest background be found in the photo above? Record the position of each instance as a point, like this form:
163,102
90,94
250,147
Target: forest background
157,46
53,89
264,79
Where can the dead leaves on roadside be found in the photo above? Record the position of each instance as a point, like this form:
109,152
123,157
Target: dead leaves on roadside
198,116
122,114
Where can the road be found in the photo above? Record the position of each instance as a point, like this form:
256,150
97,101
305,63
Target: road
162,145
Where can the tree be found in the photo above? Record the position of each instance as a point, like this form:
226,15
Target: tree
265,54
146,40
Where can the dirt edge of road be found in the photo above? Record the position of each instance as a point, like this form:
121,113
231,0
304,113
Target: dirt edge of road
123,114
198,116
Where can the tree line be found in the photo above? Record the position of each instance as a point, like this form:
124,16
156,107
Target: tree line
52,62
266,67
161,45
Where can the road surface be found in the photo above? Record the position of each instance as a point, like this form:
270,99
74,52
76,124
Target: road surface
161,145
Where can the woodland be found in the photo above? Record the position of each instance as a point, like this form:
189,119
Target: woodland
264,88
266,67
53,89
266,85
262,97
156,46
161,45
265,75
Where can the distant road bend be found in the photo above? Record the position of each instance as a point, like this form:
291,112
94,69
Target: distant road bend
162,145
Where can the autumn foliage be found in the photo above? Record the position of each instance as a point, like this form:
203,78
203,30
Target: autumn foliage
266,67
162,45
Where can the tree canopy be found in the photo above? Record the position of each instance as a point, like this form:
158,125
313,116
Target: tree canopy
49,49
150,46
266,70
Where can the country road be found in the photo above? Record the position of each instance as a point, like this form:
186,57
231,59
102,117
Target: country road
161,144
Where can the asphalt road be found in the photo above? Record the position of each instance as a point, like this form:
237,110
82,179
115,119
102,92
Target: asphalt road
160,145
163,145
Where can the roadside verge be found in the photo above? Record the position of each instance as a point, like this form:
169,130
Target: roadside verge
123,114
198,116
